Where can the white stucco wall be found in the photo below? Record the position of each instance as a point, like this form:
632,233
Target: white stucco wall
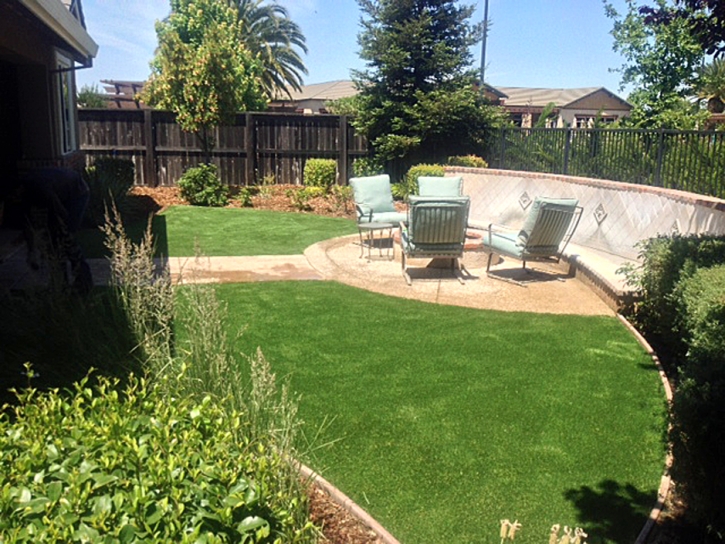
616,215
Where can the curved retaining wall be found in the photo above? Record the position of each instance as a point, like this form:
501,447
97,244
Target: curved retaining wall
616,215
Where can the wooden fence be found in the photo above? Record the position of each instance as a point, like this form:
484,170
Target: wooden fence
257,148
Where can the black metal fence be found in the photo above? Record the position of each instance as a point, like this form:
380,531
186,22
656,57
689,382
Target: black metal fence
692,161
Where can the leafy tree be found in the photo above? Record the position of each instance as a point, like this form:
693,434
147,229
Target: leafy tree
90,96
707,18
661,63
202,71
274,38
418,100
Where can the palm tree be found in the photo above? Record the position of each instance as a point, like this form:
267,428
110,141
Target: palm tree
711,85
270,34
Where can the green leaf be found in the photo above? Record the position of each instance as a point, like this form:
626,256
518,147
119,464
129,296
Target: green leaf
127,534
54,491
254,524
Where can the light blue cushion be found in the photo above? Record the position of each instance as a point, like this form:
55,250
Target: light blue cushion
440,186
503,243
568,204
372,194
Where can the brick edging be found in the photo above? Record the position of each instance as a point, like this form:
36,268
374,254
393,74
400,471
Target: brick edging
348,504
666,480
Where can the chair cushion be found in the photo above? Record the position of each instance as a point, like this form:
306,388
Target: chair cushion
373,193
384,217
440,186
503,243
568,204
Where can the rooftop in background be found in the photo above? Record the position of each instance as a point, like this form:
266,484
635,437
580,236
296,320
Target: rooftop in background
538,98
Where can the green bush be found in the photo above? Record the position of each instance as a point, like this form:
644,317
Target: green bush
201,186
665,261
301,196
470,161
320,173
697,433
367,166
109,465
410,180
109,181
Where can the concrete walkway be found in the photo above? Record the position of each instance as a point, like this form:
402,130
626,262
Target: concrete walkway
338,259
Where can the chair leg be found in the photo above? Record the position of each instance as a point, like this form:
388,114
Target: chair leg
403,262
457,270
488,265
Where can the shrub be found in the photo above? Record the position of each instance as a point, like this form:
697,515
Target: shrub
367,166
301,196
201,186
665,261
410,180
470,161
109,180
105,464
698,415
320,173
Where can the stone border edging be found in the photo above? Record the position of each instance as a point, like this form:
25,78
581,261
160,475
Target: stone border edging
666,480
348,504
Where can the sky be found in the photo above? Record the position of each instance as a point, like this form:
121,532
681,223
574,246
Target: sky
531,43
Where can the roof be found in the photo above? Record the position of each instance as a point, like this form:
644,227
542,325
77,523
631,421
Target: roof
539,98
65,19
330,90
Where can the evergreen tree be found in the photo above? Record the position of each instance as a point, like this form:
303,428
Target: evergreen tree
418,98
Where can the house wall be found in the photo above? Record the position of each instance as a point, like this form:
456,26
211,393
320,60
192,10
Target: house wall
616,215
28,51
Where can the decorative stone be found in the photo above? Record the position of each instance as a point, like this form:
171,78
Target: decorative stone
524,200
600,214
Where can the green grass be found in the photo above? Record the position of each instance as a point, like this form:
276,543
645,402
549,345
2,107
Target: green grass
449,419
229,231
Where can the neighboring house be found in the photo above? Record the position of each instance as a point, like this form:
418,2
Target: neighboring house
42,44
573,107
314,98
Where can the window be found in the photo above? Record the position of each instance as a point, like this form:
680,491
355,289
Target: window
588,121
66,113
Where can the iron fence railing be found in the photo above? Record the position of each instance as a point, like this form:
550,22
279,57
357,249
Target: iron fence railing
692,161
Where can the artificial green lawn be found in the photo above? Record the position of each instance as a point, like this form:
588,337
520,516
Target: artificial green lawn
448,419
228,231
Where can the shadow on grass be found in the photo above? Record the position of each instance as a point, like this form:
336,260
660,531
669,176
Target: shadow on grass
92,239
612,512
62,335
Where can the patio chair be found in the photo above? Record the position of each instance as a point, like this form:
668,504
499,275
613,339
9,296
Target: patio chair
374,200
440,186
436,229
544,236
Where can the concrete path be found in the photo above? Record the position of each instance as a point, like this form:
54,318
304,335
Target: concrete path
338,259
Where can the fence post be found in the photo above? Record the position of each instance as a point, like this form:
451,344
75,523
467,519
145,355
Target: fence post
502,157
150,170
567,150
343,152
660,156
249,149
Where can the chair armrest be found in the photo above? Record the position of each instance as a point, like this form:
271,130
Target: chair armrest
495,227
362,213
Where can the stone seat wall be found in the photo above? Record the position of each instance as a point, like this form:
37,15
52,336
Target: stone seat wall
616,217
